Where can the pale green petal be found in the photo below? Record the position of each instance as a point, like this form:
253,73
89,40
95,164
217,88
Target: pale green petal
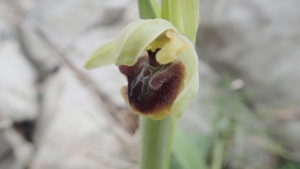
126,32
172,49
191,84
103,56
136,37
184,15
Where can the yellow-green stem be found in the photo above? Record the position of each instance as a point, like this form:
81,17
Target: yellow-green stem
146,10
218,154
156,143
156,136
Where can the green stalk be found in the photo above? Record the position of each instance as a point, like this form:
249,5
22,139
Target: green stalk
156,136
146,10
218,154
156,142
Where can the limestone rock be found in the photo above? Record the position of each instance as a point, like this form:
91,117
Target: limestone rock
74,127
258,42
18,98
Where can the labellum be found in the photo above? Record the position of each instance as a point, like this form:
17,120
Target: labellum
152,87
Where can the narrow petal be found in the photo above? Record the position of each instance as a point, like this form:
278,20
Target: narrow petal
189,59
133,41
103,56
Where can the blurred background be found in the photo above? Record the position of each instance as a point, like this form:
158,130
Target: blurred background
54,114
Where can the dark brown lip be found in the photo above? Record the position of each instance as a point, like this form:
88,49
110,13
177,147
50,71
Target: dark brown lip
151,86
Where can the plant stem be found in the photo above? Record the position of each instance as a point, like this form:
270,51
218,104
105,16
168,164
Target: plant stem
218,154
156,142
146,10
156,136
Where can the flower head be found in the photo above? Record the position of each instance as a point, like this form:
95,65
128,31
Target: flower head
160,64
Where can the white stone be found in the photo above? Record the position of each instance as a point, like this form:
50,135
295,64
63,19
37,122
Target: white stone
258,42
74,127
18,98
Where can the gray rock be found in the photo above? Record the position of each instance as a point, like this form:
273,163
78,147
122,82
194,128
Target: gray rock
15,152
288,133
6,153
258,42
67,19
75,127
18,99
77,28
40,54
250,155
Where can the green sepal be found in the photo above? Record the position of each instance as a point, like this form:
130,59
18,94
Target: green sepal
103,56
189,58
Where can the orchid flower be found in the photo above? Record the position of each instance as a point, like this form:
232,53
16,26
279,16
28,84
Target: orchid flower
161,66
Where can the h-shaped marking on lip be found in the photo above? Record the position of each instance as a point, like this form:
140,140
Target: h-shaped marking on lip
144,79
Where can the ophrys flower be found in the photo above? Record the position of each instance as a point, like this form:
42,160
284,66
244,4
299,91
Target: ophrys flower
160,64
